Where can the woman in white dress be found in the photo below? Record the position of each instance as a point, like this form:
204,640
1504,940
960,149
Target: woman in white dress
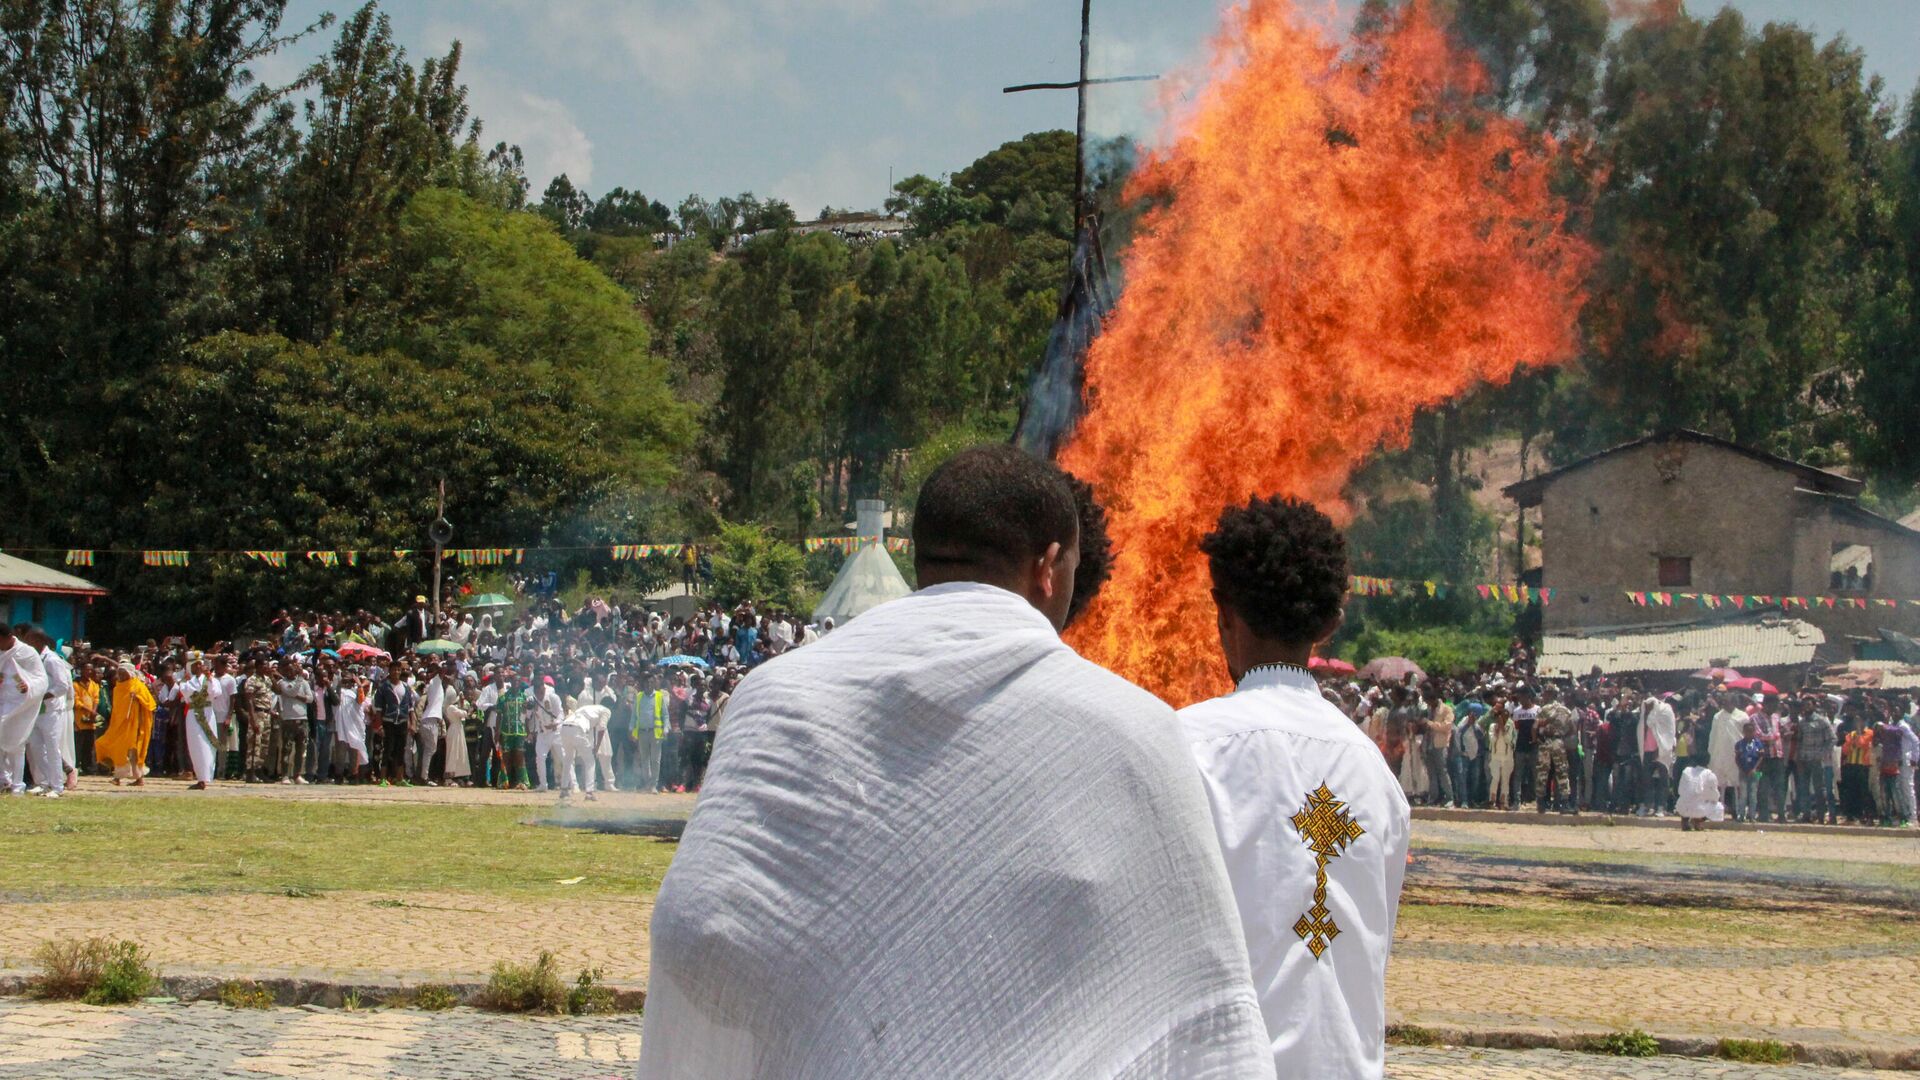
1501,740
459,706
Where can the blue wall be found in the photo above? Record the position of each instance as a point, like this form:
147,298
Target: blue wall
64,618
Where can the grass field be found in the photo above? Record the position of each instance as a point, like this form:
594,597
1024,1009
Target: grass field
105,848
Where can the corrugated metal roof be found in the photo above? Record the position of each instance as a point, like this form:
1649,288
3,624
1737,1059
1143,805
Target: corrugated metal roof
1770,642
19,575
1875,675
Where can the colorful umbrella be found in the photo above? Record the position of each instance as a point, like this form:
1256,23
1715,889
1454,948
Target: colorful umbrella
489,600
1330,665
437,647
354,650
675,661
1758,686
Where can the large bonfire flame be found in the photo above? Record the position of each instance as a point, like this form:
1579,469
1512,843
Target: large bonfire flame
1344,239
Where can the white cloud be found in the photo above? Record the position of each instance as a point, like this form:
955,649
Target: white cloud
542,127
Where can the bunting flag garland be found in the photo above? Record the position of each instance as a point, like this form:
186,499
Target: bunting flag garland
489,556
1358,585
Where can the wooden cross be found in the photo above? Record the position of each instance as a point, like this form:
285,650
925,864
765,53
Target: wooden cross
1079,86
1327,829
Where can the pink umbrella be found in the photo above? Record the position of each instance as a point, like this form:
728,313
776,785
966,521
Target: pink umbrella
1391,669
354,650
1760,686
1330,665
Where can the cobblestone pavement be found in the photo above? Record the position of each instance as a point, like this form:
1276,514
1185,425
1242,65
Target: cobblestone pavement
189,1042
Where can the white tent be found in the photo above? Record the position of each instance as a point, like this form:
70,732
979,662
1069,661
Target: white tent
868,578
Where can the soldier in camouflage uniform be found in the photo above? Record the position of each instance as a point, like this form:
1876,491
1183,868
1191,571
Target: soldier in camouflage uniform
1550,733
256,703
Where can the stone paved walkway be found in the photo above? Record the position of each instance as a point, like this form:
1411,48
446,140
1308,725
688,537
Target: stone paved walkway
190,1042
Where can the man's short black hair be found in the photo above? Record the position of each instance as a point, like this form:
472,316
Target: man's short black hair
1096,547
994,507
1281,565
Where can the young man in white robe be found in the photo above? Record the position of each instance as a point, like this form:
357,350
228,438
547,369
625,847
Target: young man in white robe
1311,821
23,687
56,716
547,712
938,843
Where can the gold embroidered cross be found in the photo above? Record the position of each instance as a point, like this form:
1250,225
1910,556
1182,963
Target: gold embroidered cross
1326,827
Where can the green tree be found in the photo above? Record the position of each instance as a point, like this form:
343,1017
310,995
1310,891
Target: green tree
750,564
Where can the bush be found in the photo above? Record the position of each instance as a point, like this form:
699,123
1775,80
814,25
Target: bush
589,994
1635,1043
1411,1035
1755,1051
96,971
245,994
431,997
526,988
1439,651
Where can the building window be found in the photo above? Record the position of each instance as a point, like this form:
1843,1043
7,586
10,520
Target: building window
1850,569
1676,571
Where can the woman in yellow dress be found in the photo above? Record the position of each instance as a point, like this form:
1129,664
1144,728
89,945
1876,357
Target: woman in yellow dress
125,743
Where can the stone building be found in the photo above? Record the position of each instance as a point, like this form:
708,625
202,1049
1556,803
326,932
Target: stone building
1689,514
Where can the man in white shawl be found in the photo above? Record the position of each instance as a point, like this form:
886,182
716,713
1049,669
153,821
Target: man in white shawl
938,843
1722,742
23,686
56,717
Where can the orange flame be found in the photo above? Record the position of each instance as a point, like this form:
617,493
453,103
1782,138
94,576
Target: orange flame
1344,239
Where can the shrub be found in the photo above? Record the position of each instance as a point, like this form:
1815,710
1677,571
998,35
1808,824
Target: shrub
525,988
433,997
245,994
1755,1051
1438,650
1635,1043
96,971
350,1000
590,994
1411,1035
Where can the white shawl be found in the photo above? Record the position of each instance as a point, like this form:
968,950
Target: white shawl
937,843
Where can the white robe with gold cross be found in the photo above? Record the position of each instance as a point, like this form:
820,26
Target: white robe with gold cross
1313,826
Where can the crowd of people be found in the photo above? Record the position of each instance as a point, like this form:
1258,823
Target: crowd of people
1505,739
602,698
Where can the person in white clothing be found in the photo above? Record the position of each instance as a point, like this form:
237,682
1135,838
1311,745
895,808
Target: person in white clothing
204,693
1084,928
548,710
56,715
1311,821
23,686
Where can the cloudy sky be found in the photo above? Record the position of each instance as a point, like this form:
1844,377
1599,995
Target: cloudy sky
816,100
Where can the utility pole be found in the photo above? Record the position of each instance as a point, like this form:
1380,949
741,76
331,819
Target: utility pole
439,532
